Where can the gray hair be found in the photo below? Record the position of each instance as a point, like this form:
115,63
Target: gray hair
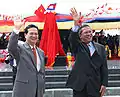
80,29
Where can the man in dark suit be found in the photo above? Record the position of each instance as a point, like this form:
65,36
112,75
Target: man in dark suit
30,77
89,75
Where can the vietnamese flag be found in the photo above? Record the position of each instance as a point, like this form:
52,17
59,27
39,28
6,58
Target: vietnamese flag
40,11
39,15
50,40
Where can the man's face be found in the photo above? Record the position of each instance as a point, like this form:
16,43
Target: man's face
86,34
32,36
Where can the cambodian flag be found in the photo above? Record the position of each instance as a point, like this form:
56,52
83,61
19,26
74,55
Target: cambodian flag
51,6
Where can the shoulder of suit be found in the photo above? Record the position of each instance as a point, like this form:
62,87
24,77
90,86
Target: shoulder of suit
98,44
20,42
41,50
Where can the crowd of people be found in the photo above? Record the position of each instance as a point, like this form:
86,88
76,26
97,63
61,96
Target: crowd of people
111,44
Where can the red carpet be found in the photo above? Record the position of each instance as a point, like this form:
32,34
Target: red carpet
114,57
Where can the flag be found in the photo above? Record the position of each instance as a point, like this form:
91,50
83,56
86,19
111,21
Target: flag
97,7
100,10
40,11
51,6
104,5
110,8
50,41
88,14
39,15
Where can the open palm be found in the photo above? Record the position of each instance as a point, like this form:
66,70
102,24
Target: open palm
76,17
18,23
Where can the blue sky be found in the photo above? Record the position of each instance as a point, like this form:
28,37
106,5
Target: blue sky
13,7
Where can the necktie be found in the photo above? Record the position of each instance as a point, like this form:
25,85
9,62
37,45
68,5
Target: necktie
92,49
89,49
86,48
35,56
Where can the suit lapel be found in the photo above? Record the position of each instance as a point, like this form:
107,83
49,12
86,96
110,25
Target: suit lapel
30,54
40,58
96,48
86,48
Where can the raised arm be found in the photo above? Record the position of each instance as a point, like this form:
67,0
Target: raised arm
13,47
74,37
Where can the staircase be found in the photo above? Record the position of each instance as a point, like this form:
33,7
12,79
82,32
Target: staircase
114,78
56,78
6,81
55,83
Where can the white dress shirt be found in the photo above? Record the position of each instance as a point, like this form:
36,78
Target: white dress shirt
38,59
91,48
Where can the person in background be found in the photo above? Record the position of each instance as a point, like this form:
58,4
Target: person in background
30,77
89,75
12,62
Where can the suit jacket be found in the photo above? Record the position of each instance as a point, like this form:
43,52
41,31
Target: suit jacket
88,71
28,80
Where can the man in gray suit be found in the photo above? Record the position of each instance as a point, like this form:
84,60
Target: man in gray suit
89,75
30,77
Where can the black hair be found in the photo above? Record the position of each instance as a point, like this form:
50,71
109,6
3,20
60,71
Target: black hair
30,26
